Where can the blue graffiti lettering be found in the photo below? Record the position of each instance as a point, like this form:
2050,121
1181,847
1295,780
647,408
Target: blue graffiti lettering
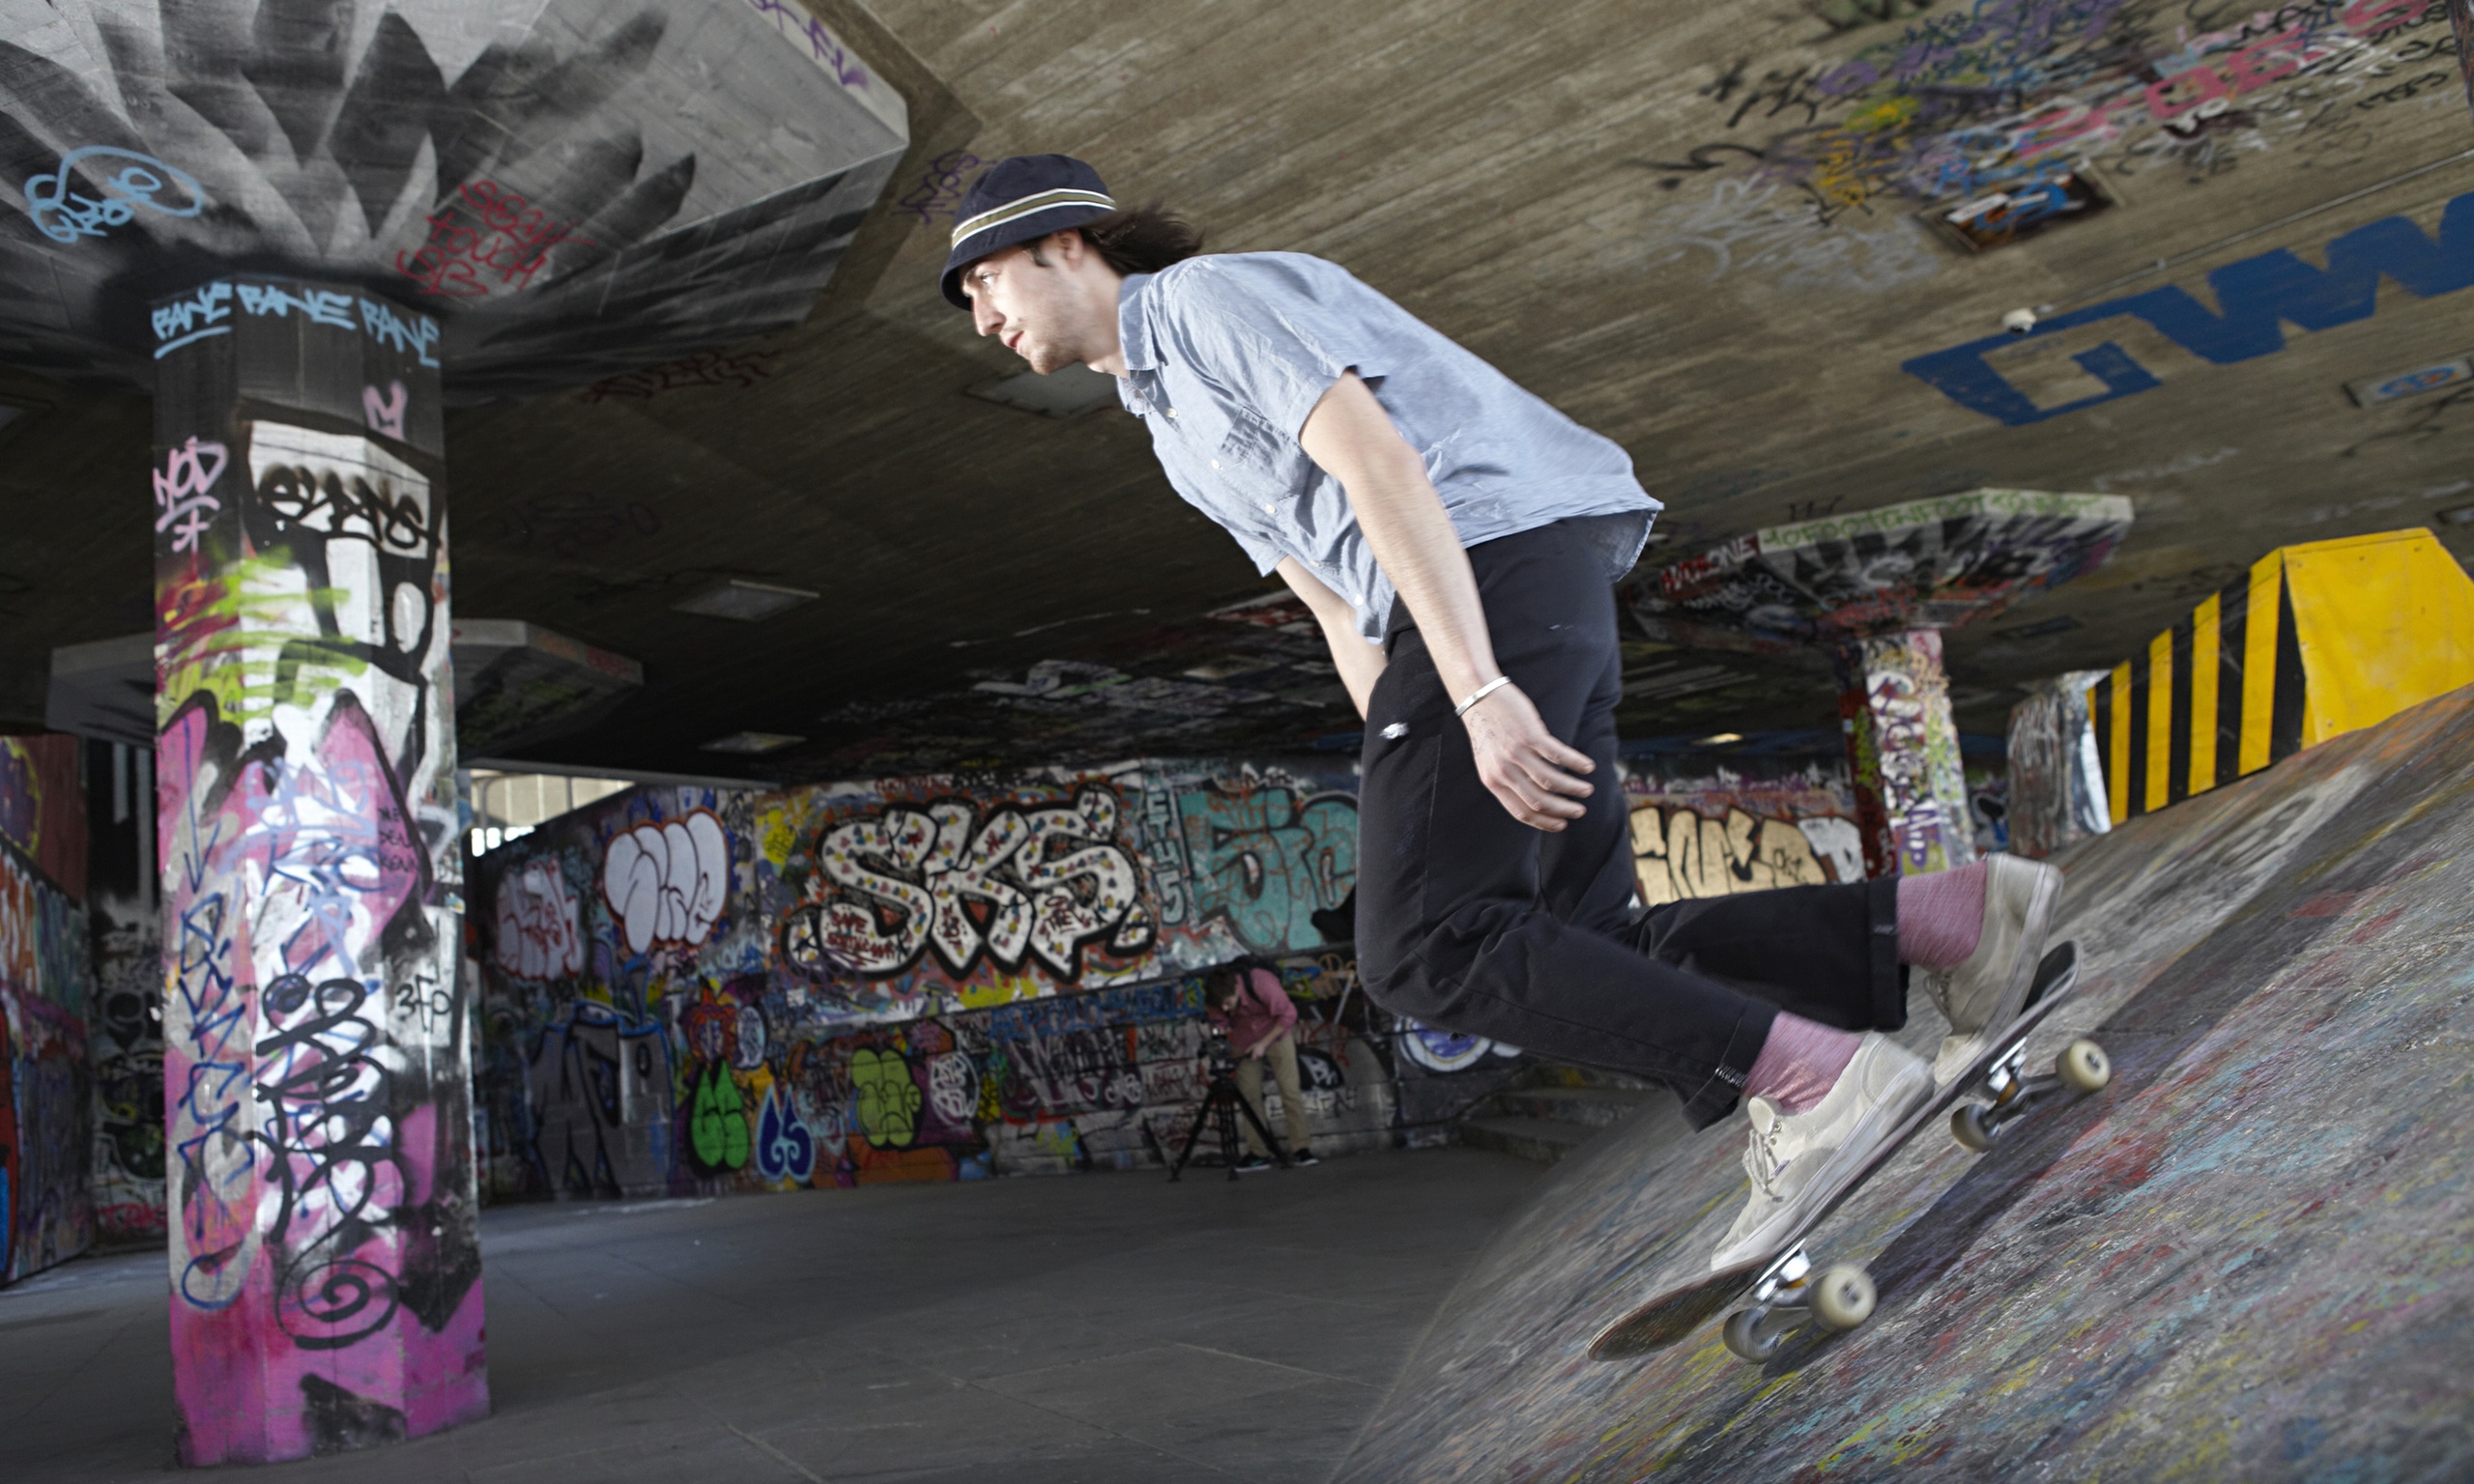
2256,298
65,215
208,312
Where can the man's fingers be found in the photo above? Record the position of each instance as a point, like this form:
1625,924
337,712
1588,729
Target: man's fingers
1547,776
1564,755
1550,802
1529,810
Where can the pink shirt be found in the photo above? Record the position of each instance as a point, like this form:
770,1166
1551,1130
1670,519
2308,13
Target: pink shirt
1260,1012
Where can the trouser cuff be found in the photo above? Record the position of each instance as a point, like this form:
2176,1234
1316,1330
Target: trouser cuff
1716,1098
1889,974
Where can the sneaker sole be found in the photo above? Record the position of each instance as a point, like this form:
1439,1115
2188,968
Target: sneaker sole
1879,1123
1958,1051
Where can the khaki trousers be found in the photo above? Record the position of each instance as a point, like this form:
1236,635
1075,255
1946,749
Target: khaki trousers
1282,1053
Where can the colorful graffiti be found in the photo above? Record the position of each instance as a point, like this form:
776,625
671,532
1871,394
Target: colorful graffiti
1941,562
1746,825
319,1193
1992,122
1269,860
48,1205
1008,885
124,1041
45,989
928,977
1910,790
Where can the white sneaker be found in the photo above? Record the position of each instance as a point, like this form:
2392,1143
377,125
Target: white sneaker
1981,996
1798,1160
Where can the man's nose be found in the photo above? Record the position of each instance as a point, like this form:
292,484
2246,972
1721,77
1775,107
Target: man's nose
984,318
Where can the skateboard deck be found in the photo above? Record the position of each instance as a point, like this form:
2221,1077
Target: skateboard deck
1679,1309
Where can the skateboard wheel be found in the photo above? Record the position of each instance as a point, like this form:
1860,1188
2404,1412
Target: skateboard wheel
1744,1336
1969,1127
1843,1297
2084,1067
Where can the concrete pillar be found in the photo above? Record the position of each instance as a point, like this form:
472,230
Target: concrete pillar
1902,751
325,1270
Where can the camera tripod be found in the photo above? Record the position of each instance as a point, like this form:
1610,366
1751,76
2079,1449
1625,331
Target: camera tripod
1221,1103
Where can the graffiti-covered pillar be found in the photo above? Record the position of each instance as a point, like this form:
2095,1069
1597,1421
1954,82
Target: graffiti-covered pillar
1902,751
325,1271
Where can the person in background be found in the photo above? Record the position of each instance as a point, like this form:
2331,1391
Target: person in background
1246,998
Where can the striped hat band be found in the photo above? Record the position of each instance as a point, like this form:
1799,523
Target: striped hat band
1015,211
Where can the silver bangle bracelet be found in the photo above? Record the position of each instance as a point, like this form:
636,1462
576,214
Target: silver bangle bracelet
1481,693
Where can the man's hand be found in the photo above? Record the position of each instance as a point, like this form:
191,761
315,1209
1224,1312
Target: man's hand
1523,765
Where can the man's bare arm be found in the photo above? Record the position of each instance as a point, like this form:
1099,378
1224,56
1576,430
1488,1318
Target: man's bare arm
1359,663
1351,438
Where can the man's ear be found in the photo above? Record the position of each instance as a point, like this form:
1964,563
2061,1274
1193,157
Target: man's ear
1070,245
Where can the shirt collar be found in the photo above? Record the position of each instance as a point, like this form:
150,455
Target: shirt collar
1134,330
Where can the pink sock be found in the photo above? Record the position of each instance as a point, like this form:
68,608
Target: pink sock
1800,1063
1939,916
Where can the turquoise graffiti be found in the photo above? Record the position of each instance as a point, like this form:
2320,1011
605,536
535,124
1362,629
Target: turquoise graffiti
1267,862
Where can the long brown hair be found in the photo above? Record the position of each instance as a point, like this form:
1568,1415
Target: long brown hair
1138,239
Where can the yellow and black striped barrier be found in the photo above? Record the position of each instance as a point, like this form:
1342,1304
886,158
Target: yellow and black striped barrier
2319,640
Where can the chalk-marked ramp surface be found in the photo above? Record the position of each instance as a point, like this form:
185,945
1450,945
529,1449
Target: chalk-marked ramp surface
2252,1257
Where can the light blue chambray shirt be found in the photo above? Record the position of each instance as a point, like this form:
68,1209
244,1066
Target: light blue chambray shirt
1226,355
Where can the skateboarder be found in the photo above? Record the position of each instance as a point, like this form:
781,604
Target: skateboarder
1456,539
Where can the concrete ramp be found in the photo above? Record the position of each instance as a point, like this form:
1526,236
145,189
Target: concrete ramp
2252,1257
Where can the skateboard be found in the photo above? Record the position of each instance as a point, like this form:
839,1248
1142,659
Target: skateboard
1781,1289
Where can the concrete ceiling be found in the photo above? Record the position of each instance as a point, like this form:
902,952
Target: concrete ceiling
1698,229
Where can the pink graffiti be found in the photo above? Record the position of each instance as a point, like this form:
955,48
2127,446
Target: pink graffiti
180,488
385,413
540,928
2210,87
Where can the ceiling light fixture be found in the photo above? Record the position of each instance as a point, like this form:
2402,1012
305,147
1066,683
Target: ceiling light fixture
751,742
1719,739
745,601
1069,393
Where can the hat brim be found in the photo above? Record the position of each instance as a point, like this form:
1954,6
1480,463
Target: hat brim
1025,228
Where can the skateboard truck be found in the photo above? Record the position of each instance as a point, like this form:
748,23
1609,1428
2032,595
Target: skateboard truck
1788,1294
2082,1068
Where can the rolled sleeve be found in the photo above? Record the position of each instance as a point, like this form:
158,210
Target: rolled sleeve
1268,338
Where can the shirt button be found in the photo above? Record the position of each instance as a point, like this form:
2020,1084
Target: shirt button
1214,463
1172,412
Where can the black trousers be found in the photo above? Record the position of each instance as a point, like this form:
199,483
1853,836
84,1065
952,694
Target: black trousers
1469,920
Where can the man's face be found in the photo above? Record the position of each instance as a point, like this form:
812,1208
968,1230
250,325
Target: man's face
1035,310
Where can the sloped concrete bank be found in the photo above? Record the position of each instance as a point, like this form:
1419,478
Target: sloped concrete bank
2248,1258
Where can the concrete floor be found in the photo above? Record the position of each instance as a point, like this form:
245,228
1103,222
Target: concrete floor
1080,1328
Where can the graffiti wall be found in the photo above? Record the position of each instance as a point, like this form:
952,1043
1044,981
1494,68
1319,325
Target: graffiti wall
930,977
1748,825
124,1022
47,1213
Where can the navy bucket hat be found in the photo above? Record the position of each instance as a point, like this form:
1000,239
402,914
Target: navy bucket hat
1017,200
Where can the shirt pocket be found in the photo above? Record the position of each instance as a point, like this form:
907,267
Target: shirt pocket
1251,444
